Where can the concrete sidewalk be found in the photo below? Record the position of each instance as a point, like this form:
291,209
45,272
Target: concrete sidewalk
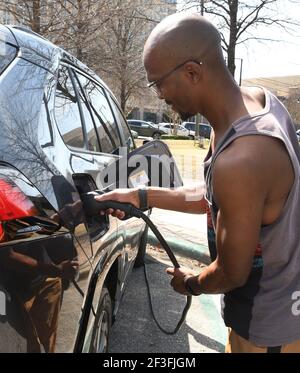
185,233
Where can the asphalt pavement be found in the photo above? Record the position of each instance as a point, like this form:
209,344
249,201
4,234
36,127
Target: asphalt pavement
203,331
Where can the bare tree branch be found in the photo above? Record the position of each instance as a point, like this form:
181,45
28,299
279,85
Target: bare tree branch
236,18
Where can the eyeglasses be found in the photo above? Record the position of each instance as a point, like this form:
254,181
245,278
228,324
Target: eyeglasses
156,83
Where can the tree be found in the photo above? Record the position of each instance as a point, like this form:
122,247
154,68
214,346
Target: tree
40,16
107,35
236,18
72,24
120,49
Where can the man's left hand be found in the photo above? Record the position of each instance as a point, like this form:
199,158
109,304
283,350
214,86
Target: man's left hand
179,275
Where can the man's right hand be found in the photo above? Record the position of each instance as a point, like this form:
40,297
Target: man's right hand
119,195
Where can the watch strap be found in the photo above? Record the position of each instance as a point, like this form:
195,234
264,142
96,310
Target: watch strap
188,287
143,198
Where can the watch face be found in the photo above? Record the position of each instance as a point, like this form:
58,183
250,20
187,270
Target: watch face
139,179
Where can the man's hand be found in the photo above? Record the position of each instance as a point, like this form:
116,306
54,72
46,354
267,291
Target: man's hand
68,269
119,195
179,275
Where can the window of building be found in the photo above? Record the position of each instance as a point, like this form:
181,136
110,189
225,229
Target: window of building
150,117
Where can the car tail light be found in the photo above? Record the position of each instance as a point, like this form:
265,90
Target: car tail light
2,233
14,204
25,214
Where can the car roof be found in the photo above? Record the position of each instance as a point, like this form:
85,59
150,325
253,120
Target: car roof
32,44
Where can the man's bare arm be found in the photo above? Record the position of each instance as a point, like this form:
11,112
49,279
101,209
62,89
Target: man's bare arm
183,199
240,191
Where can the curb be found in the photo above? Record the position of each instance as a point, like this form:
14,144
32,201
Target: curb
184,248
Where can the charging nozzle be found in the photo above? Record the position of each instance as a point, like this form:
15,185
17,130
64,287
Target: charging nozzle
93,207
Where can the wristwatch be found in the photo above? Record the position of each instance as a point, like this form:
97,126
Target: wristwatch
188,286
143,197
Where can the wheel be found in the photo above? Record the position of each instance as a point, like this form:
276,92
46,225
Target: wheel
102,326
156,135
191,137
140,258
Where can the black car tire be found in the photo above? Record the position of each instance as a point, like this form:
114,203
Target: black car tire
140,258
102,325
156,135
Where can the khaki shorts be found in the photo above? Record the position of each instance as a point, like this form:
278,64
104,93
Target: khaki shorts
237,344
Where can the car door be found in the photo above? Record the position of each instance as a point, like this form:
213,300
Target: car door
146,129
44,308
136,126
114,139
78,156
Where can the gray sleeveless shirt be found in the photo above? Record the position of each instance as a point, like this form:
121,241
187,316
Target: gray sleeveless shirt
265,310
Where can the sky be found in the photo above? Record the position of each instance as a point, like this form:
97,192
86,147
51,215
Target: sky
272,58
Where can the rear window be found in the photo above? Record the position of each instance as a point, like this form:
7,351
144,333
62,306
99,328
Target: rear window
190,126
7,54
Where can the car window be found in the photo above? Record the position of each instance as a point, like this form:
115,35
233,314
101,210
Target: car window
7,54
119,116
67,113
104,119
191,126
91,135
138,124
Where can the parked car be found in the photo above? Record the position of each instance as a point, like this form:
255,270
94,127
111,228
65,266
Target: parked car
204,129
63,271
145,128
135,135
170,128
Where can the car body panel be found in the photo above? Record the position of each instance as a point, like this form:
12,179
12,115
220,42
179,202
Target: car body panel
33,148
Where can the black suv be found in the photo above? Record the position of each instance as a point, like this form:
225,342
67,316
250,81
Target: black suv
63,270
145,129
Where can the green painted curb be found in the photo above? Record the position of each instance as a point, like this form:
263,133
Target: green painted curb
183,247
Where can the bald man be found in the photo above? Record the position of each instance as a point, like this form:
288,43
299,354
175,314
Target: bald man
252,178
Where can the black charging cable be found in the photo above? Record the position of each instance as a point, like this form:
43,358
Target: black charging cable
92,207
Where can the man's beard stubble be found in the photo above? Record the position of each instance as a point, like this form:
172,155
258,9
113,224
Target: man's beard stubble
183,115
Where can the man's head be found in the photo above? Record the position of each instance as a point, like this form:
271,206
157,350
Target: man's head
179,56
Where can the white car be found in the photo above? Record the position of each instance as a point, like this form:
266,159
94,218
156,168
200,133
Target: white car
169,129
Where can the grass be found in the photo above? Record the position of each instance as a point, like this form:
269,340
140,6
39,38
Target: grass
189,157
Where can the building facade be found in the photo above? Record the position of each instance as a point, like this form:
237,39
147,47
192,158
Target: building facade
147,106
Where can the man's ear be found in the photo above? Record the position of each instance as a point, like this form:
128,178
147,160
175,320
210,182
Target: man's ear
193,72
